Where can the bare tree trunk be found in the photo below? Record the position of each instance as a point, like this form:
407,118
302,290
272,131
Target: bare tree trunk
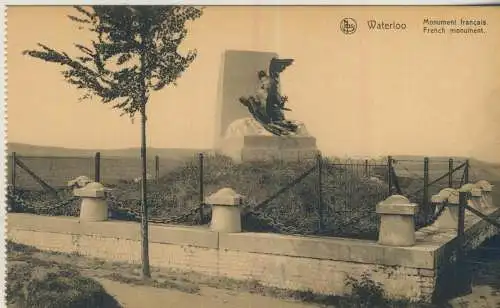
146,273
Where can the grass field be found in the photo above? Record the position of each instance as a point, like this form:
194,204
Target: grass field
57,166
57,171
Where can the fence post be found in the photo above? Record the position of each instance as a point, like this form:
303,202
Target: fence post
366,168
466,172
426,184
202,197
462,273
97,167
13,165
450,173
319,162
157,168
389,174
462,202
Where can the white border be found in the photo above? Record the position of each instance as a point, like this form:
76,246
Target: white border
153,2
254,2
3,181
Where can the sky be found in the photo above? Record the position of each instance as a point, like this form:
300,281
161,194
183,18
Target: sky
368,93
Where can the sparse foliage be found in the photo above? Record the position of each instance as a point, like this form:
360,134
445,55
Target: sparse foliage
134,51
366,292
35,281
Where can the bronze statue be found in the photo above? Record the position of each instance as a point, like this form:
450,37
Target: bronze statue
267,105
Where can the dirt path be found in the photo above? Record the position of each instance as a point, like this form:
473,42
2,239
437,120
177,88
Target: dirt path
485,266
481,297
131,296
169,288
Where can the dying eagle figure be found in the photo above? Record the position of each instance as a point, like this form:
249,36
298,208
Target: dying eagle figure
267,105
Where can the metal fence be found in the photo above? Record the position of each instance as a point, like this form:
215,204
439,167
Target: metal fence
320,196
421,179
56,171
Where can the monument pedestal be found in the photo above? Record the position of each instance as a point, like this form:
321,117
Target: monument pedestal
239,134
253,148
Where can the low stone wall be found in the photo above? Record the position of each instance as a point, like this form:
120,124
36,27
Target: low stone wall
317,264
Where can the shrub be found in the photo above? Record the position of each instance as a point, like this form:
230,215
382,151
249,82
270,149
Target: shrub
348,206
366,292
36,283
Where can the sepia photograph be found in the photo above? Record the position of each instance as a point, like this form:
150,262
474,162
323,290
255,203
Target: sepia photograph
252,156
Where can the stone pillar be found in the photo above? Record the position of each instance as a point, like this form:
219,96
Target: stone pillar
94,206
486,189
397,226
476,199
226,212
438,201
446,192
449,218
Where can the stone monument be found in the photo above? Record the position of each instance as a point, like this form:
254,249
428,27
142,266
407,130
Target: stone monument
253,126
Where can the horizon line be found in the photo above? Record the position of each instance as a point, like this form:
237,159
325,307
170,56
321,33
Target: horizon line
102,149
352,156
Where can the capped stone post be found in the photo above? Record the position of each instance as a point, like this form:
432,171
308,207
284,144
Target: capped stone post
449,217
397,226
438,201
94,206
473,195
476,199
79,182
226,211
487,190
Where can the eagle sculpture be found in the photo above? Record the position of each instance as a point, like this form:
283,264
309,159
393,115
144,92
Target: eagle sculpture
267,105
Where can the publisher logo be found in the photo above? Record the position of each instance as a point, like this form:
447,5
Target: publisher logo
348,25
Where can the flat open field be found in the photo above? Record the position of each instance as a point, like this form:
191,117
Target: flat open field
57,171
57,165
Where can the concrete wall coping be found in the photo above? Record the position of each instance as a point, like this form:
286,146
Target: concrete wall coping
158,233
429,246
338,249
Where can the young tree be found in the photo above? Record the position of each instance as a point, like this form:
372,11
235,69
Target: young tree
135,51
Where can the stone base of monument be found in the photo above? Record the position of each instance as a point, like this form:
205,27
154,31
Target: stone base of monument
266,148
247,141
